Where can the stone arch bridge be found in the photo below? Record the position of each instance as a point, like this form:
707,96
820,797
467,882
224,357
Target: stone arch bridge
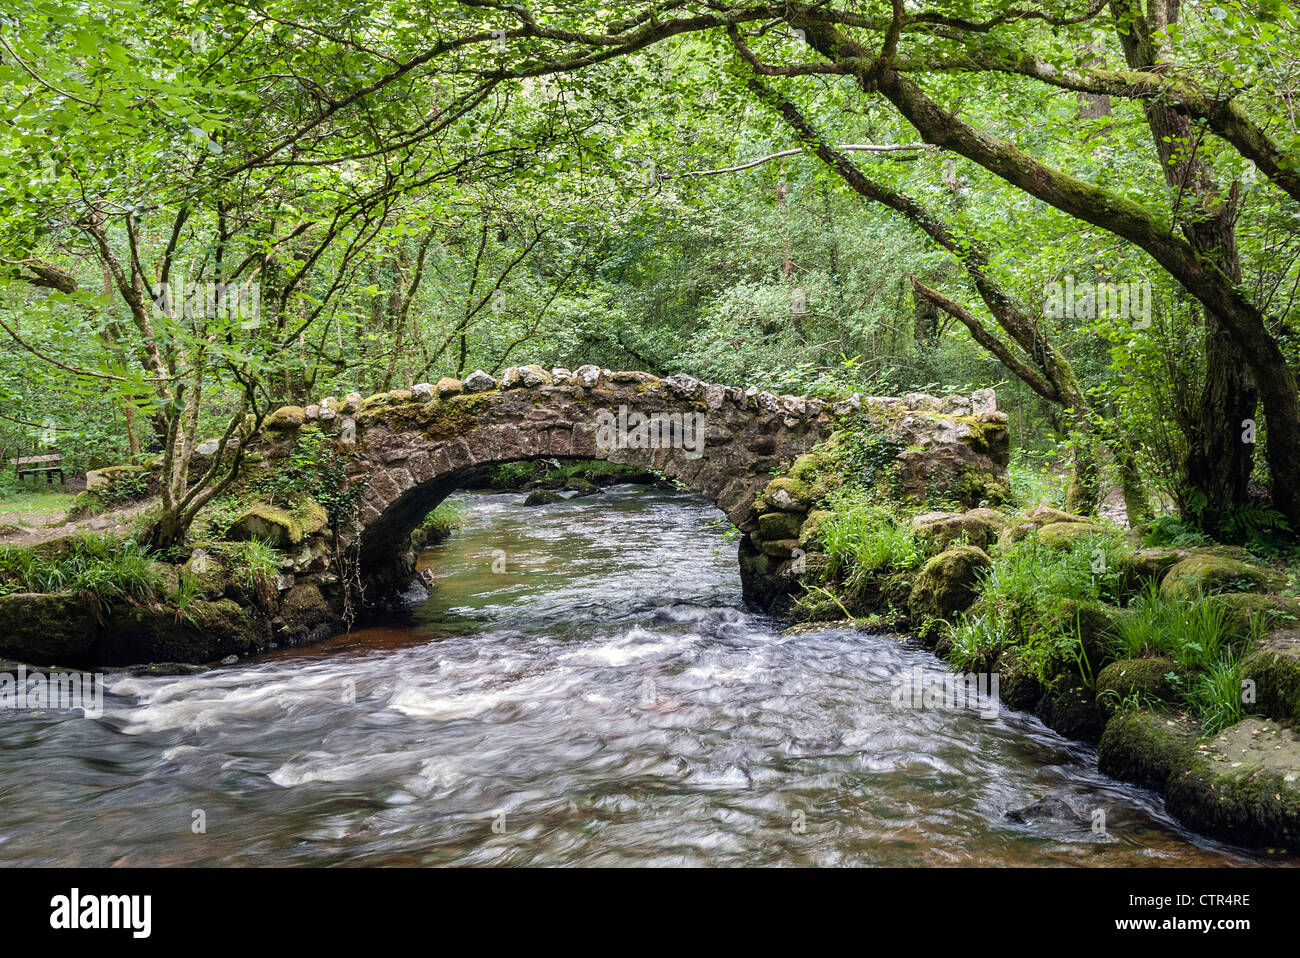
414,447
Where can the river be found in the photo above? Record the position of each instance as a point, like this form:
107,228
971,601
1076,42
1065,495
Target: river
583,687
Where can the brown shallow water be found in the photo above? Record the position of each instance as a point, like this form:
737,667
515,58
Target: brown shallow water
584,687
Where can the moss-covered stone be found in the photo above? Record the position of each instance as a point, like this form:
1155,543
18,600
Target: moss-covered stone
1063,535
1207,574
286,417
1031,521
47,629
779,525
267,522
1018,683
583,487
1070,707
304,614
1088,624
448,386
779,548
1147,679
1262,612
1274,668
1145,747
806,467
937,531
787,494
1242,785
205,632
946,584
1143,565
311,516
543,497
810,533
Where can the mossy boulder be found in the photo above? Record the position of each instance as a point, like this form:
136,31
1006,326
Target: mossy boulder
946,584
779,548
305,614
1087,623
312,516
1063,535
48,629
1070,707
110,475
807,467
787,494
1208,574
810,533
1242,785
211,574
543,497
1145,747
286,417
1025,525
270,523
1018,684
779,525
1266,612
1274,668
1144,565
1148,679
937,531
205,632
449,386
583,487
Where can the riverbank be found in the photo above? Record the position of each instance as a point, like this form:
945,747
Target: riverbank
1181,662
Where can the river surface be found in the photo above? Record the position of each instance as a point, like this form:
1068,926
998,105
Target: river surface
583,687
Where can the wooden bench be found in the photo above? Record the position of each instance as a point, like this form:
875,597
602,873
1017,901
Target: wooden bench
36,465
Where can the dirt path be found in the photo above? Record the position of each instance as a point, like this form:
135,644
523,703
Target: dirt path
29,527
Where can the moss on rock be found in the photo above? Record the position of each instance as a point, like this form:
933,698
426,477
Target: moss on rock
788,494
779,525
810,533
208,631
47,629
1207,574
543,497
1147,679
1062,535
286,417
937,531
267,522
1242,785
1274,668
946,584
1144,747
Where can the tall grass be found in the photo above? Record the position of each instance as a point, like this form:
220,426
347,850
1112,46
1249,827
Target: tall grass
862,541
1024,601
104,566
1193,631
253,562
1215,695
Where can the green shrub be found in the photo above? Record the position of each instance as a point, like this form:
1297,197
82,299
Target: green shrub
1169,530
442,521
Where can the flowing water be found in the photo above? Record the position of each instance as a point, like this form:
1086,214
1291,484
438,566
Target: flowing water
584,687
